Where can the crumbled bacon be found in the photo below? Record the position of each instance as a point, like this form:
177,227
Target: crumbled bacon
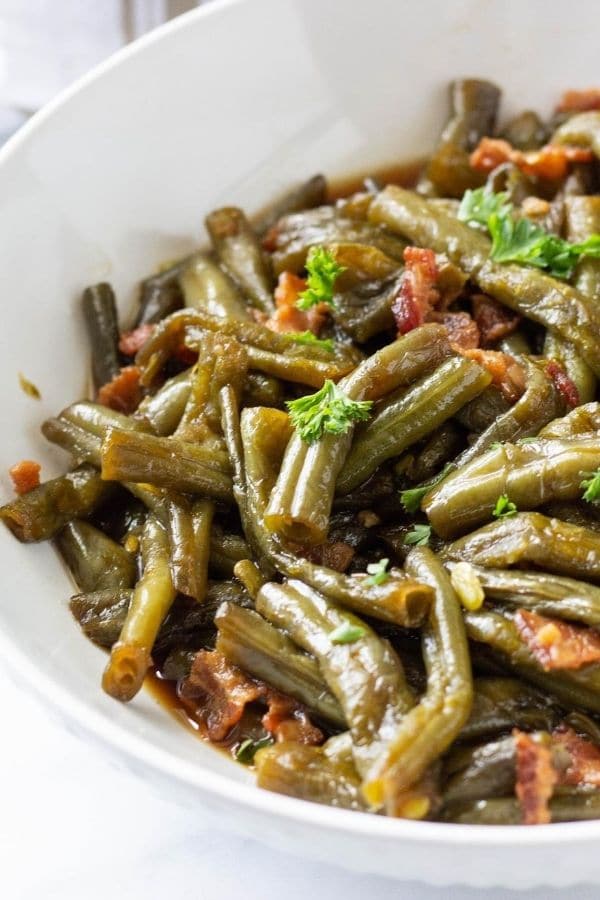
287,316
132,341
563,384
535,778
217,693
494,320
25,476
579,101
551,161
269,241
124,392
506,372
584,758
556,644
463,332
333,554
417,293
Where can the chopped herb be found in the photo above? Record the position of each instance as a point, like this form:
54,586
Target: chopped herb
527,440
322,270
411,498
29,388
307,337
504,508
592,486
519,240
346,633
495,445
378,573
247,750
329,411
419,536
467,585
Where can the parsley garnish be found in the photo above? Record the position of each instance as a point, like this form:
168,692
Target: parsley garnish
419,536
495,445
329,411
322,270
504,508
411,498
377,572
519,240
307,337
592,486
346,633
247,750
527,440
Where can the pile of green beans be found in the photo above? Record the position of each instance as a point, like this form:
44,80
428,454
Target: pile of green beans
366,572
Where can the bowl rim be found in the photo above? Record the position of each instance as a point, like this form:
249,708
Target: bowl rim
117,737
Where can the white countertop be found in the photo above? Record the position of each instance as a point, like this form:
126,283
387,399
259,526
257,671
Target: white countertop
75,826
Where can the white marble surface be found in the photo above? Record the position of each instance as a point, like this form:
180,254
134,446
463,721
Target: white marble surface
75,826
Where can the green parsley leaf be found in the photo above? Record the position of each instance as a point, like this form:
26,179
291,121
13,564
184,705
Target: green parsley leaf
527,440
411,498
377,572
477,206
322,270
495,445
419,536
247,750
329,411
346,633
504,508
592,486
307,337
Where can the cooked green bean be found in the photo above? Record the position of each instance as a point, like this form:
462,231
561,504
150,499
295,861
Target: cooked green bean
488,771
226,549
402,421
102,614
583,220
80,428
263,651
162,411
151,601
501,704
427,731
160,295
582,130
483,411
262,390
239,251
205,286
307,195
250,576
570,805
189,535
300,504
575,367
96,561
525,131
100,314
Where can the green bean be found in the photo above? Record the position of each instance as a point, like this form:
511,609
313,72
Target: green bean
101,614
160,295
307,773
490,771
425,462
535,408
583,420
262,390
583,220
558,306
188,623
250,576
532,538
162,411
402,421
401,600
366,311
205,286
525,131
96,561
177,665
529,474
165,462
151,601
239,251
189,536
264,652
226,549
42,512
550,595
79,429
582,130
427,731
474,107
584,726
575,367
365,676
515,344
306,195
100,314
570,805
577,689
483,411
501,704
301,501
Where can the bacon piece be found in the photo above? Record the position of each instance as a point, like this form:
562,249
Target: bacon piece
417,294
287,316
269,241
551,161
506,372
463,332
493,319
563,384
25,476
579,101
124,392
132,341
216,692
557,644
334,554
584,758
536,778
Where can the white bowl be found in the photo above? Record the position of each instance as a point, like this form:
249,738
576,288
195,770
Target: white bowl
231,104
